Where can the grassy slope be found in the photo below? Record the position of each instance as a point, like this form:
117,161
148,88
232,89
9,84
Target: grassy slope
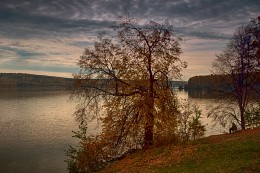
236,153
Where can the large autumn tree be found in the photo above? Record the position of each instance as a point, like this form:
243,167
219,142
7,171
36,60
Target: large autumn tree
124,83
239,67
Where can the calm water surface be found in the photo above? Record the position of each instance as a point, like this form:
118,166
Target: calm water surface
36,127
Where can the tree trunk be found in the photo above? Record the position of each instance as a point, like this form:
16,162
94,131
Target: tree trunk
241,85
242,119
148,135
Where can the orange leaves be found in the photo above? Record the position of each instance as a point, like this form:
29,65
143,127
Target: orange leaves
128,81
144,160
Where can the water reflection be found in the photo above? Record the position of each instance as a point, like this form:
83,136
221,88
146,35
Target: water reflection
35,129
204,93
26,93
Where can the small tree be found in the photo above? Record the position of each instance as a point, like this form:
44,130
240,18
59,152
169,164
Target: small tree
196,129
238,65
88,155
189,123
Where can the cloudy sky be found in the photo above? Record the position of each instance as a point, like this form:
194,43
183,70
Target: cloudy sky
48,36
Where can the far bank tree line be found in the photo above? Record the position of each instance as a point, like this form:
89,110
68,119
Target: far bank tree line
215,82
10,80
141,110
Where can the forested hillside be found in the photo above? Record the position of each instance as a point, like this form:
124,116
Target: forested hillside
209,82
30,80
217,82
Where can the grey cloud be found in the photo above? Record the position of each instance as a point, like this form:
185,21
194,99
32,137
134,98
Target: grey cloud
54,68
61,18
22,55
195,9
67,21
81,43
207,35
208,9
22,25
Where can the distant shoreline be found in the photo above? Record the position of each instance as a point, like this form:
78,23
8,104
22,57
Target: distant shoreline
22,80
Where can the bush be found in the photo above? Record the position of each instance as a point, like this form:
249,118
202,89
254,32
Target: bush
252,117
189,124
88,156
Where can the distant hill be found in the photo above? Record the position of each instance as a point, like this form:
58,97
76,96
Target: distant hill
215,82
31,80
208,82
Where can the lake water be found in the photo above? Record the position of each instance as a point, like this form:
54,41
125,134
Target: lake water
36,127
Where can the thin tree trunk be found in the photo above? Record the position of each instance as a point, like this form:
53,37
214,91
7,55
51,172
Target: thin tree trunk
242,119
149,123
148,135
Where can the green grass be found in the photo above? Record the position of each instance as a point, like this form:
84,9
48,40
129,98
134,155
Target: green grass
221,157
232,153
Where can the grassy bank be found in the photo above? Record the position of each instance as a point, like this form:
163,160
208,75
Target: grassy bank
236,153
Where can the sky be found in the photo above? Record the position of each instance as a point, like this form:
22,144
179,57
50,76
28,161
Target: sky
48,37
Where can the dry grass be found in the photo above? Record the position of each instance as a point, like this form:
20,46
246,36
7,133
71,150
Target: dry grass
239,152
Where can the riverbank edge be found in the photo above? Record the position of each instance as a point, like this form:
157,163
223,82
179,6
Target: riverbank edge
239,152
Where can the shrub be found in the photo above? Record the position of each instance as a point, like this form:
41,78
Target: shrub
252,117
189,123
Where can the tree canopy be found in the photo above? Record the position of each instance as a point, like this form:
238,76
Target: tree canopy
239,64
131,95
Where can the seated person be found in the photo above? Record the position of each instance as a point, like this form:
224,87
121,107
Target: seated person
233,129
